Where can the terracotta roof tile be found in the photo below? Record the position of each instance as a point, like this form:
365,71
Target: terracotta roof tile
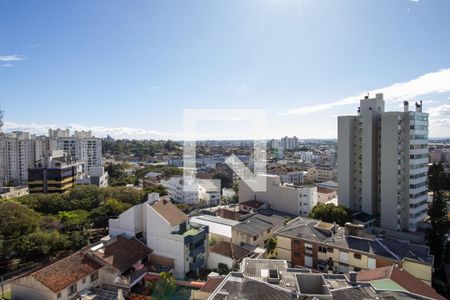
403,278
212,284
323,190
122,253
229,250
66,271
413,284
170,212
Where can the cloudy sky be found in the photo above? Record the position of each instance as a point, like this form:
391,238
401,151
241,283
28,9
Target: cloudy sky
131,68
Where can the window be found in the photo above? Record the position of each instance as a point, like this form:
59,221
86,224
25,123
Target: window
296,243
322,249
357,256
296,254
72,289
83,281
268,230
255,237
58,296
94,276
330,250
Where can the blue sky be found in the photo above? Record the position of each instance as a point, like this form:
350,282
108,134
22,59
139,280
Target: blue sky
129,68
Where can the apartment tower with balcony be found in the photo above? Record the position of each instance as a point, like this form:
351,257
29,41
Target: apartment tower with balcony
382,163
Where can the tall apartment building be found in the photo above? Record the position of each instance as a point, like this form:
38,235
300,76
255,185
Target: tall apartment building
288,143
81,146
17,154
382,163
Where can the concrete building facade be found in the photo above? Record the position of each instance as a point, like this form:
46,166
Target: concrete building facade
286,198
382,163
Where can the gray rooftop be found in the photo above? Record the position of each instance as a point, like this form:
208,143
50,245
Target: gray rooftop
304,228
258,223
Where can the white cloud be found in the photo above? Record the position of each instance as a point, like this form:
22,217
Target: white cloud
415,1
434,82
6,65
99,131
12,57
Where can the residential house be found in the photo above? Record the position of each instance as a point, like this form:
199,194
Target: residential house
112,264
320,245
166,230
220,229
256,230
226,253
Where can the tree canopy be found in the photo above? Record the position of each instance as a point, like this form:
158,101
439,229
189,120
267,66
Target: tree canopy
331,213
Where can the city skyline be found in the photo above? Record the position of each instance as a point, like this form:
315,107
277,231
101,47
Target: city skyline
130,70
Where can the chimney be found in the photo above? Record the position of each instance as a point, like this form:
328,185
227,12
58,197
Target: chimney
379,96
352,277
405,106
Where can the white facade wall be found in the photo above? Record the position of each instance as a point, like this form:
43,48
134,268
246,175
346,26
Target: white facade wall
293,200
160,239
174,186
214,259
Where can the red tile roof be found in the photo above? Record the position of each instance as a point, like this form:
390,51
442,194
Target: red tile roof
401,277
170,212
122,253
229,250
323,190
212,284
413,284
66,271
252,203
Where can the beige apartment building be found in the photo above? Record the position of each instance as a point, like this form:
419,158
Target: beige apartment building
321,174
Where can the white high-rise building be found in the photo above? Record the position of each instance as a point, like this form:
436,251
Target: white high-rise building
81,146
382,163
17,154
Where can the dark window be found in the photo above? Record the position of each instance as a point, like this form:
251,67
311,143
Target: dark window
357,256
72,289
330,250
94,276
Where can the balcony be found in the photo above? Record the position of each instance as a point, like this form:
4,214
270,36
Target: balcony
198,264
195,252
194,235
128,281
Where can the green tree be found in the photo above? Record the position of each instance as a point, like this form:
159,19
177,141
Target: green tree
74,220
164,287
437,236
40,243
271,245
110,209
223,269
331,213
